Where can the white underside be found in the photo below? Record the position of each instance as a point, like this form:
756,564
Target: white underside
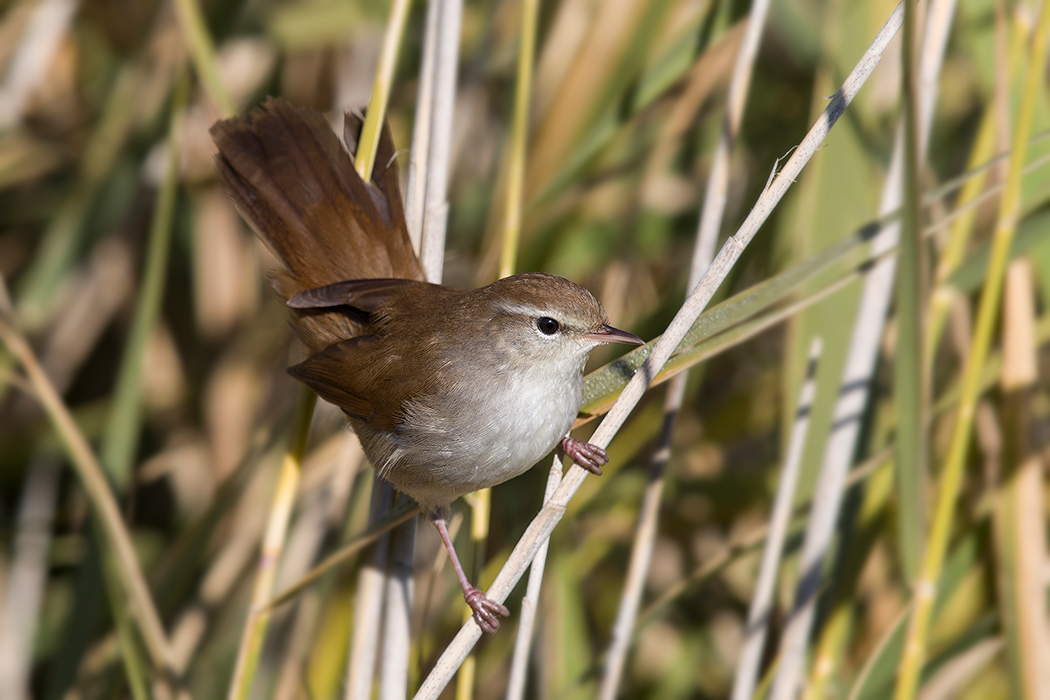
516,418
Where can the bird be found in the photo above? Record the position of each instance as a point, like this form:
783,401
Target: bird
449,390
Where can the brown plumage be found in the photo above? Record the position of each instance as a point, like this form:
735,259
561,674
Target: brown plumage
449,390
297,187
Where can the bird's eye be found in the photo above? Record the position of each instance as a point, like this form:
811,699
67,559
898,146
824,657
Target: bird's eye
547,325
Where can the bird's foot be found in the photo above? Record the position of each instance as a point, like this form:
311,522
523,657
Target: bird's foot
485,610
590,457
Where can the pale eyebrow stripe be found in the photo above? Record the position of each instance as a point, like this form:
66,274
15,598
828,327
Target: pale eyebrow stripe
524,309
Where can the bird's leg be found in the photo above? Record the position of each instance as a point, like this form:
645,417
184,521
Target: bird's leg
590,457
485,610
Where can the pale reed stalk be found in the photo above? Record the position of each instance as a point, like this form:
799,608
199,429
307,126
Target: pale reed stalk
857,374
711,217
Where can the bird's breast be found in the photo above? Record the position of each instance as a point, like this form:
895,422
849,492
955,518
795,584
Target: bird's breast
481,432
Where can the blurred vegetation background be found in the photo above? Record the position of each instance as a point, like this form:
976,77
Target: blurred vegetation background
143,297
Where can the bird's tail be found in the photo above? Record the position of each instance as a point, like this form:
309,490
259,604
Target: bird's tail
296,186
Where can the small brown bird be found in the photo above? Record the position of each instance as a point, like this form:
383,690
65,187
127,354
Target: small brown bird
449,390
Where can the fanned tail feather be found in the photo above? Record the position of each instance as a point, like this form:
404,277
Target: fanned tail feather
297,187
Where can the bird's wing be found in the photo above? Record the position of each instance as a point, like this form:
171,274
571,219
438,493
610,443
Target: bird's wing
366,295
330,373
366,379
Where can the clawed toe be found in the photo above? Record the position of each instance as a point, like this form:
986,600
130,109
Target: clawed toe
590,457
485,610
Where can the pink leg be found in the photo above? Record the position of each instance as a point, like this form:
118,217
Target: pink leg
590,457
485,610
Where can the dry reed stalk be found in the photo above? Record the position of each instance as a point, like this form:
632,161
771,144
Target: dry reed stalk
416,187
397,613
427,217
623,628
26,576
711,217
480,510
368,602
519,663
368,608
36,50
551,514
831,648
762,601
857,374
438,167
1021,513
718,179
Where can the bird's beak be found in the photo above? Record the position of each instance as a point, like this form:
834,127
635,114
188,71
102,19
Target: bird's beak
608,334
